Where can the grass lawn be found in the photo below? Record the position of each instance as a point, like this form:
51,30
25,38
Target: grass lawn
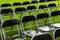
30,13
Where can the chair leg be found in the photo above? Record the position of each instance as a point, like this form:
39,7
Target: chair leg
18,29
22,30
4,35
1,36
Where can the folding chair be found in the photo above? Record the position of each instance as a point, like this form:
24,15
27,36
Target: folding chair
26,3
42,16
52,5
20,11
22,35
17,4
4,11
30,21
33,2
56,33
43,26
42,37
53,14
42,7
31,8
7,23
5,5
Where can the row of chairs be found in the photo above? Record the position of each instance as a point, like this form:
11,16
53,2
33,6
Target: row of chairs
29,8
17,3
27,20
22,9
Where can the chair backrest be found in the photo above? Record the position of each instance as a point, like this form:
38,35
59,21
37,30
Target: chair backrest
31,8
5,5
42,6
17,4
28,18
56,33
42,15
6,11
52,5
10,22
32,2
42,37
26,3
55,13
50,0
20,9
42,1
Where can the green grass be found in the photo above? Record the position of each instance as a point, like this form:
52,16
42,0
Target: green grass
30,13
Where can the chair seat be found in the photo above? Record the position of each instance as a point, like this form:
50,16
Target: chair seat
56,25
19,39
46,28
32,33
